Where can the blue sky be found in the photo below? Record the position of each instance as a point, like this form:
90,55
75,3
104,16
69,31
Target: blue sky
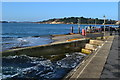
38,11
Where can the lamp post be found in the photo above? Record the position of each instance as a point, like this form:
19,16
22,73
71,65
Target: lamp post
95,24
104,24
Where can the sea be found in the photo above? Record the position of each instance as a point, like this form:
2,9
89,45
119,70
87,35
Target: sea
17,35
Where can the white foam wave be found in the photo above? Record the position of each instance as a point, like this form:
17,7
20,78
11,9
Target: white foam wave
20,71
43,67
71,60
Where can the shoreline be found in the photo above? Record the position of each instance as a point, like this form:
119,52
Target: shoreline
81,24
68,24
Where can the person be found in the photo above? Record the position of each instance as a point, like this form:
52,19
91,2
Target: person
93,29
111,31
86,28
90,28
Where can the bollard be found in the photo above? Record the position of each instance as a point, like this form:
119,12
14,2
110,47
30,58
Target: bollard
83,32
72,29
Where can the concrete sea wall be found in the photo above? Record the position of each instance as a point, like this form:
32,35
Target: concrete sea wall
49,49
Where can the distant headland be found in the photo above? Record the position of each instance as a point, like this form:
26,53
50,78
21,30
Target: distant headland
74,20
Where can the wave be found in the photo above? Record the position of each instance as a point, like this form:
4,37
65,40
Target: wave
9,43
39,68
17,35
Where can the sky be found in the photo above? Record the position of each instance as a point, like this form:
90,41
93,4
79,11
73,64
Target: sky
60,0
38,11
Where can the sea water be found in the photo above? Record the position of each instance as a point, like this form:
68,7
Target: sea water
25,67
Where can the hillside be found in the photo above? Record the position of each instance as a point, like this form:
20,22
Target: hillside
74,20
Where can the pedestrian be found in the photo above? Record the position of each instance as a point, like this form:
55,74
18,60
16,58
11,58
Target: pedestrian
111,31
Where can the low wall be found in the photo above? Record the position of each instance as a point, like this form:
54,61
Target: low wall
50,49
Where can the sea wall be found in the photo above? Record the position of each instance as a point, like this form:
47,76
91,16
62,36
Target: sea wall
49,49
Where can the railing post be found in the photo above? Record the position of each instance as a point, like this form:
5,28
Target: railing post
79,30
72,29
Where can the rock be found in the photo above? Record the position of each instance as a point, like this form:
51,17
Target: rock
86,51
99,38
96,42
90,46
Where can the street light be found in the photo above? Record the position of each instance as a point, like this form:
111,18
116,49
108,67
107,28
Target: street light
95,22
104,24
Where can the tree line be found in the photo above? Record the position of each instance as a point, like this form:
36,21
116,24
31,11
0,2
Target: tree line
82,20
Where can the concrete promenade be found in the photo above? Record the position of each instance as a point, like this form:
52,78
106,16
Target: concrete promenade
112,67
98,65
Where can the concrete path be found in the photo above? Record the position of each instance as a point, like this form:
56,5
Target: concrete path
112,66
66,37
60,38
93,66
